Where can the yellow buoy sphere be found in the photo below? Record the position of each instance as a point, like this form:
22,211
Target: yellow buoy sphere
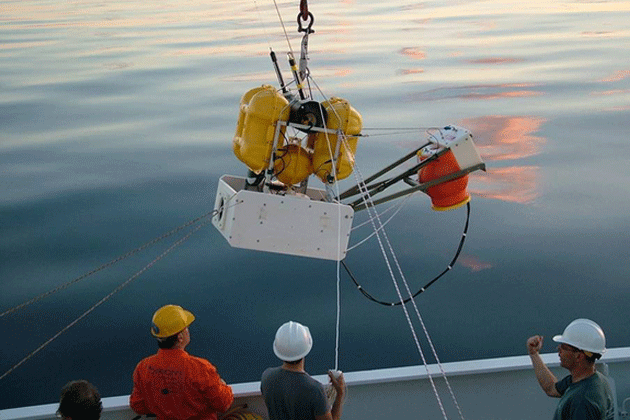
238,136
341,117
293,164
257,127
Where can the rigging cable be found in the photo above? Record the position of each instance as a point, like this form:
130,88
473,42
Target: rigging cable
97,304
361,242
338,265
286,35
426,286
366,197
108,264
380,229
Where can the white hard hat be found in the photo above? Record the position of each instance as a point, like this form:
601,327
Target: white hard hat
293,341
585,335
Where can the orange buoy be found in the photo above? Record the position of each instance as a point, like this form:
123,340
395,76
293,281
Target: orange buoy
447,195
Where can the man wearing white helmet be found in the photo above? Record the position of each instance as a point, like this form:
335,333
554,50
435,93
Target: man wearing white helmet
289,392
585,393
172,384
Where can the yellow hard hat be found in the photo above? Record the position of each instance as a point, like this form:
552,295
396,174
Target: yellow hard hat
170,320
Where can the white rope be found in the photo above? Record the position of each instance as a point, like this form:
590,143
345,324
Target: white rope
378,231
420,319
366,198
399,205
286,35
338,318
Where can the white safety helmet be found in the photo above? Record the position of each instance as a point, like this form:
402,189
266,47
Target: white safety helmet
585,335
293,342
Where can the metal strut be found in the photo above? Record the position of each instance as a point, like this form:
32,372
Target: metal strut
371,190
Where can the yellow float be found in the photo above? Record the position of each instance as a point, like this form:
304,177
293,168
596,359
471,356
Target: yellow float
341,117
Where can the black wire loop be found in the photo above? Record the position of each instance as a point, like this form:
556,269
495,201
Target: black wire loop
426,286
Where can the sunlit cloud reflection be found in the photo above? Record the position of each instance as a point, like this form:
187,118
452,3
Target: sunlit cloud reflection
515,184
620,75
413,53
502,138
478,92
473,263
506,137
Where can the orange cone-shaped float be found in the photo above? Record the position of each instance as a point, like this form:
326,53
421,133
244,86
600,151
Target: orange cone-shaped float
448,195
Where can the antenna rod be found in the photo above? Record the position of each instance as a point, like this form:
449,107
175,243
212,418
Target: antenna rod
274,60
296,76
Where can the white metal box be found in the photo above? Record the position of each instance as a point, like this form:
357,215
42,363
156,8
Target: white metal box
288,224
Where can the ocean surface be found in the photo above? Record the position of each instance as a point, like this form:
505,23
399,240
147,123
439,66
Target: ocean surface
116,122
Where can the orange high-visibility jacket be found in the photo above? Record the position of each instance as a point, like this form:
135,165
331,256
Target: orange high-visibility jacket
175,385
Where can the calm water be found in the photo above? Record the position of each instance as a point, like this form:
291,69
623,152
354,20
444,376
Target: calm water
116,121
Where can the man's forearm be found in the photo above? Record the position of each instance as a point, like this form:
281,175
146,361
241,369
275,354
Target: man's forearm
337,407
546,379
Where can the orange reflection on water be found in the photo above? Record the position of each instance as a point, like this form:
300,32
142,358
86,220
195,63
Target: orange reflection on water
410,71
516,184
413,53
494,60
500,95
473,263
478,92
501,138
506,137
620,75
611,92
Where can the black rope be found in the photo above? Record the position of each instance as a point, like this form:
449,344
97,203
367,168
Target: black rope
426,286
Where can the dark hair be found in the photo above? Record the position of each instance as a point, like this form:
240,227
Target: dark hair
168,342
80,400
294,362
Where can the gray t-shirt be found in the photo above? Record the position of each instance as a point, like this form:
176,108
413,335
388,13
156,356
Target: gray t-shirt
292,395
588,399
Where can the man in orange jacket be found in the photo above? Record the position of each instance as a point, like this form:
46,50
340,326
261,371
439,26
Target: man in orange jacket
173,384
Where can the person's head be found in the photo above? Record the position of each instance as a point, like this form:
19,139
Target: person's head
582,340
293,342
80,400
170,326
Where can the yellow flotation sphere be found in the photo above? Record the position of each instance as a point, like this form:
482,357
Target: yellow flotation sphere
341,116
293,164
237,141
264,109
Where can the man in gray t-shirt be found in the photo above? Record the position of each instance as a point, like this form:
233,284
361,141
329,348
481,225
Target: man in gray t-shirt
289,392
584,394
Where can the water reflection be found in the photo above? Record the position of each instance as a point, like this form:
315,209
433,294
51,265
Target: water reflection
516,184
413,53
501,138
506,137
473,263
477,92
619,75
